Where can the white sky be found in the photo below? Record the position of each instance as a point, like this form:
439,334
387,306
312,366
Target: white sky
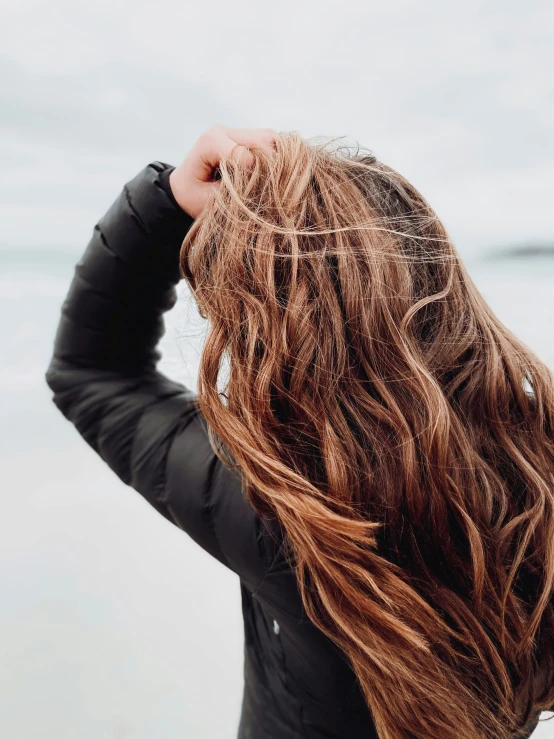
459,97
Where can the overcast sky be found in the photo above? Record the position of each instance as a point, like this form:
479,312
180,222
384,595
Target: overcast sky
457,96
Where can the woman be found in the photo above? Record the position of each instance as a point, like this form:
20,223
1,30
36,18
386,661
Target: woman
378,469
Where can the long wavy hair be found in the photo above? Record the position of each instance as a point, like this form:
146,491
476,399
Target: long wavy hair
402,436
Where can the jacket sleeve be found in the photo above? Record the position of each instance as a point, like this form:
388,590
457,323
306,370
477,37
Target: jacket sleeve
145,426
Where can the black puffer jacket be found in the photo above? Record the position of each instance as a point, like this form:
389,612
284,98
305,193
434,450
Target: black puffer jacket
150,432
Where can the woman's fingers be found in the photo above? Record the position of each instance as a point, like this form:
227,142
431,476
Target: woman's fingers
263,137
192,181
215,145
222,142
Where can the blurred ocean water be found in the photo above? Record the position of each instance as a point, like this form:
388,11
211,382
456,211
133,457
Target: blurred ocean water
104,639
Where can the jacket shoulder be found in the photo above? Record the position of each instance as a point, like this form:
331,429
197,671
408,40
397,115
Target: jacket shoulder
207,499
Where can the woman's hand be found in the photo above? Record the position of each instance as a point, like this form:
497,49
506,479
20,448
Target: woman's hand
192,181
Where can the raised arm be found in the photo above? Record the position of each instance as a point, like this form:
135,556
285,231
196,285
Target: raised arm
103,375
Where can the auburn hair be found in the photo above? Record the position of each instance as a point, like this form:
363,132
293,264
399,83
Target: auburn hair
399,432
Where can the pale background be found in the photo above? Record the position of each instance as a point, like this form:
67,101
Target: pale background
103,635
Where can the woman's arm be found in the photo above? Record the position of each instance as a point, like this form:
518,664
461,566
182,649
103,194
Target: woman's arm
103,374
